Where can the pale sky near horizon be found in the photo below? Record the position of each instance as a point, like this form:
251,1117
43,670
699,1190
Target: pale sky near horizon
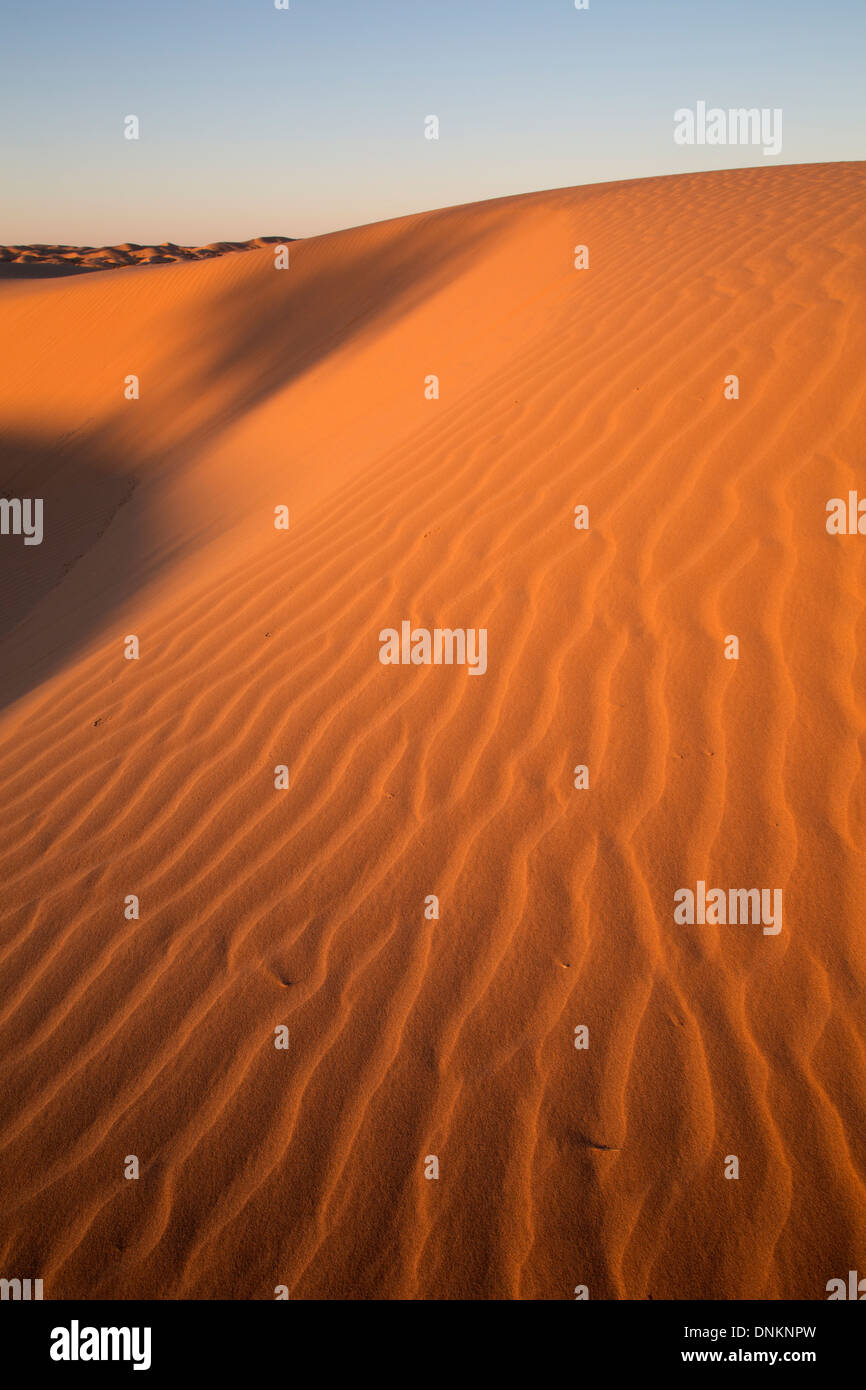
257,121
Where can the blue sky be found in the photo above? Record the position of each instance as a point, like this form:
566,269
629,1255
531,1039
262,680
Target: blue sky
256,121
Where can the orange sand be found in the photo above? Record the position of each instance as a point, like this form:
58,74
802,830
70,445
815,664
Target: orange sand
411,1037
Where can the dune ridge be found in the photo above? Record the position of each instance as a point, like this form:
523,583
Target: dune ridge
454,1037
81,258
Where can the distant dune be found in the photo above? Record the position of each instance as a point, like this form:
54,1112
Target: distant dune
46,262
412,1037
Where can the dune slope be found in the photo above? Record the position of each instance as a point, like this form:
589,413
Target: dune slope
411,1036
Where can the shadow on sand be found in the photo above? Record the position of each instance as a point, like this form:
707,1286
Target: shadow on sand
265,332
48,607
32,270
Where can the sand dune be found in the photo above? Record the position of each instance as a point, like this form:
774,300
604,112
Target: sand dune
47,261
453,1037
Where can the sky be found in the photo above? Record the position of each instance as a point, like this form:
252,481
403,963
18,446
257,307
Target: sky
256,121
